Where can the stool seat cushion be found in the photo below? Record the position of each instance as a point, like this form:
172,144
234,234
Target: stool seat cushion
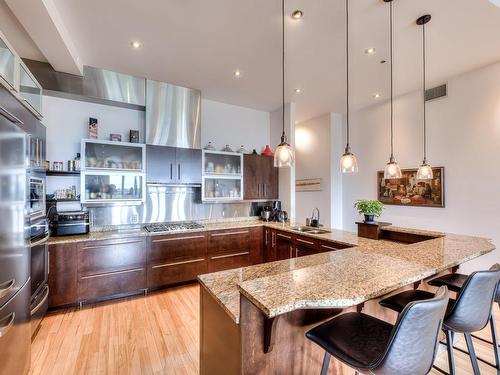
398,301
454,281
357,339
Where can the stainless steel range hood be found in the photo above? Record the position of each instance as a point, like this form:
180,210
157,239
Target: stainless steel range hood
172,115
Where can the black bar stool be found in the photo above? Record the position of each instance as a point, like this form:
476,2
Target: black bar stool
455,282
370,345
470,312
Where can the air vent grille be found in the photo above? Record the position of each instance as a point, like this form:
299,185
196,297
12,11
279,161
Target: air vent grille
436,92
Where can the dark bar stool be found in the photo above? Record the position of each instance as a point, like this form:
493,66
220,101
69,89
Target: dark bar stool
455,282
470,312
370,345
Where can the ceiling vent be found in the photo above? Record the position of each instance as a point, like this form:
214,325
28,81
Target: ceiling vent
436,92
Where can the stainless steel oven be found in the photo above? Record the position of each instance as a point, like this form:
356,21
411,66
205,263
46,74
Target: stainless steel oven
37,197
39,272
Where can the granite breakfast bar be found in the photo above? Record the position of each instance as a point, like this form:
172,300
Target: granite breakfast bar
253,319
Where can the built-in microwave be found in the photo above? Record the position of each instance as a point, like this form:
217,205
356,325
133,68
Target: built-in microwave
37,197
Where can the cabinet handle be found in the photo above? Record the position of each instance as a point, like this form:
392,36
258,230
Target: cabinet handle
7,287
112,273
274,239
329,247
283,236
304,241
9,116
178,263
4,328
266,237
111,244
291,252
230,255
178,171
171,171
265,190
229,233
178,238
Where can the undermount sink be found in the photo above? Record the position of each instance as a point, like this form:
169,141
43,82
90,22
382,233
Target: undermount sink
319,231
301,229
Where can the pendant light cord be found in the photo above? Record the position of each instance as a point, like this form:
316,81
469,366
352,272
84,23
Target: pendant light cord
392,93
347,79
424,85
283,65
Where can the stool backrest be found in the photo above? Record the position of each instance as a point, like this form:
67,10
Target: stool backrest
415,337
472,309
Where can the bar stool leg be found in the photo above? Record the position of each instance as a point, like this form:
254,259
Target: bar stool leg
495,341
472,354
326,363
449,348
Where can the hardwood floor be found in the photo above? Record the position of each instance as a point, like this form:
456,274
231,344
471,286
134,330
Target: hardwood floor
156,334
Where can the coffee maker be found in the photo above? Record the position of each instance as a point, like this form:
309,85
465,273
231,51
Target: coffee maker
277,214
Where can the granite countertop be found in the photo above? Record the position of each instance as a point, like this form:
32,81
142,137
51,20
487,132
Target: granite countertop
341,278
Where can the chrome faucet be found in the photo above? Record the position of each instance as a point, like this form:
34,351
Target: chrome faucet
315,219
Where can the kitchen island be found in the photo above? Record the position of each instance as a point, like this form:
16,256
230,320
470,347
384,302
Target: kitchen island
253,319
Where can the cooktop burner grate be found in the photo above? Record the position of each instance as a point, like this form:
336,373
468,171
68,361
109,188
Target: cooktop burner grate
169,227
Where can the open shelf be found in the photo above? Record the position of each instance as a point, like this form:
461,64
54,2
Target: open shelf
63,173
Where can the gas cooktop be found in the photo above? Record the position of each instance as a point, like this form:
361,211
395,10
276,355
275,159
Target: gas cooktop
170,227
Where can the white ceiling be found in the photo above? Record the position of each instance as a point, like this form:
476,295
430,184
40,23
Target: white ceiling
199,43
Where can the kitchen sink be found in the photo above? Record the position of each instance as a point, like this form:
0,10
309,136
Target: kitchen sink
301,229
318,231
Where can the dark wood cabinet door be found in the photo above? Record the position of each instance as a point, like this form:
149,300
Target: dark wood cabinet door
284,246
269,245
252,179
228,241
331,246
188,166
256,245
63,279
306,246
229,261
161,164
269,178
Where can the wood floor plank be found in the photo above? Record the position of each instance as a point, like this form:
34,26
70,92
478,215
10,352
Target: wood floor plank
156,334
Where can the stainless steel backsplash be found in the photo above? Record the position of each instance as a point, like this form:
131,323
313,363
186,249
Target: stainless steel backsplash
170,203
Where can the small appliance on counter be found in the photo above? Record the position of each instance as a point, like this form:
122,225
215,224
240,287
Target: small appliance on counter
277,213
266,213
69,223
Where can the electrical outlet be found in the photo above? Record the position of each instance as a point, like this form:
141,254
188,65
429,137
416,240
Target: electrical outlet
134,219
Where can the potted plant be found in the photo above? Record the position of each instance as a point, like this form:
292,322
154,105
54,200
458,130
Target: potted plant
369,208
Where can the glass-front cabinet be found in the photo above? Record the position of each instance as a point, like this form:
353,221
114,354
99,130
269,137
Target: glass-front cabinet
7,64
30,90
222,176
112,172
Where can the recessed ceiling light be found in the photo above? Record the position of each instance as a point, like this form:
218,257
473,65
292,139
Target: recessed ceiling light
377,95
370,51
237,73
297,90
383,61
297,14
136,44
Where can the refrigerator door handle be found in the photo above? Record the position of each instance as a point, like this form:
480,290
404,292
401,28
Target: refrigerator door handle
7,287
9,322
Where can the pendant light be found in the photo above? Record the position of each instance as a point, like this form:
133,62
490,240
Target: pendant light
283,155
392,169
425,170
348,161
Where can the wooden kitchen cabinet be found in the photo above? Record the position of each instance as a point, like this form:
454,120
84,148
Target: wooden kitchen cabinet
234,248
331,246
269,245
175,259
260,177
284,245
306,246
110,267
169,165
63,281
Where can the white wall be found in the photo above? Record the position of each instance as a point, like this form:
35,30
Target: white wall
229,124
463,136
313,149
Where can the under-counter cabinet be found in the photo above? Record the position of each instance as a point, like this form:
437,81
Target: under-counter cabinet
111,267
63,279
260,177
306,246
284,245
234,248
176,258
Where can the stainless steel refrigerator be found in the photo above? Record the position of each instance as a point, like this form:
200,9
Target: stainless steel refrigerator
15,285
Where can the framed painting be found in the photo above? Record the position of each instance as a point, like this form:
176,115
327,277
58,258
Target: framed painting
407,191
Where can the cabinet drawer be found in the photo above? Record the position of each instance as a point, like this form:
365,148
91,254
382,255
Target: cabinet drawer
110,256
177,247
229,241
175,272
229,261
332,246
110,283
307,242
